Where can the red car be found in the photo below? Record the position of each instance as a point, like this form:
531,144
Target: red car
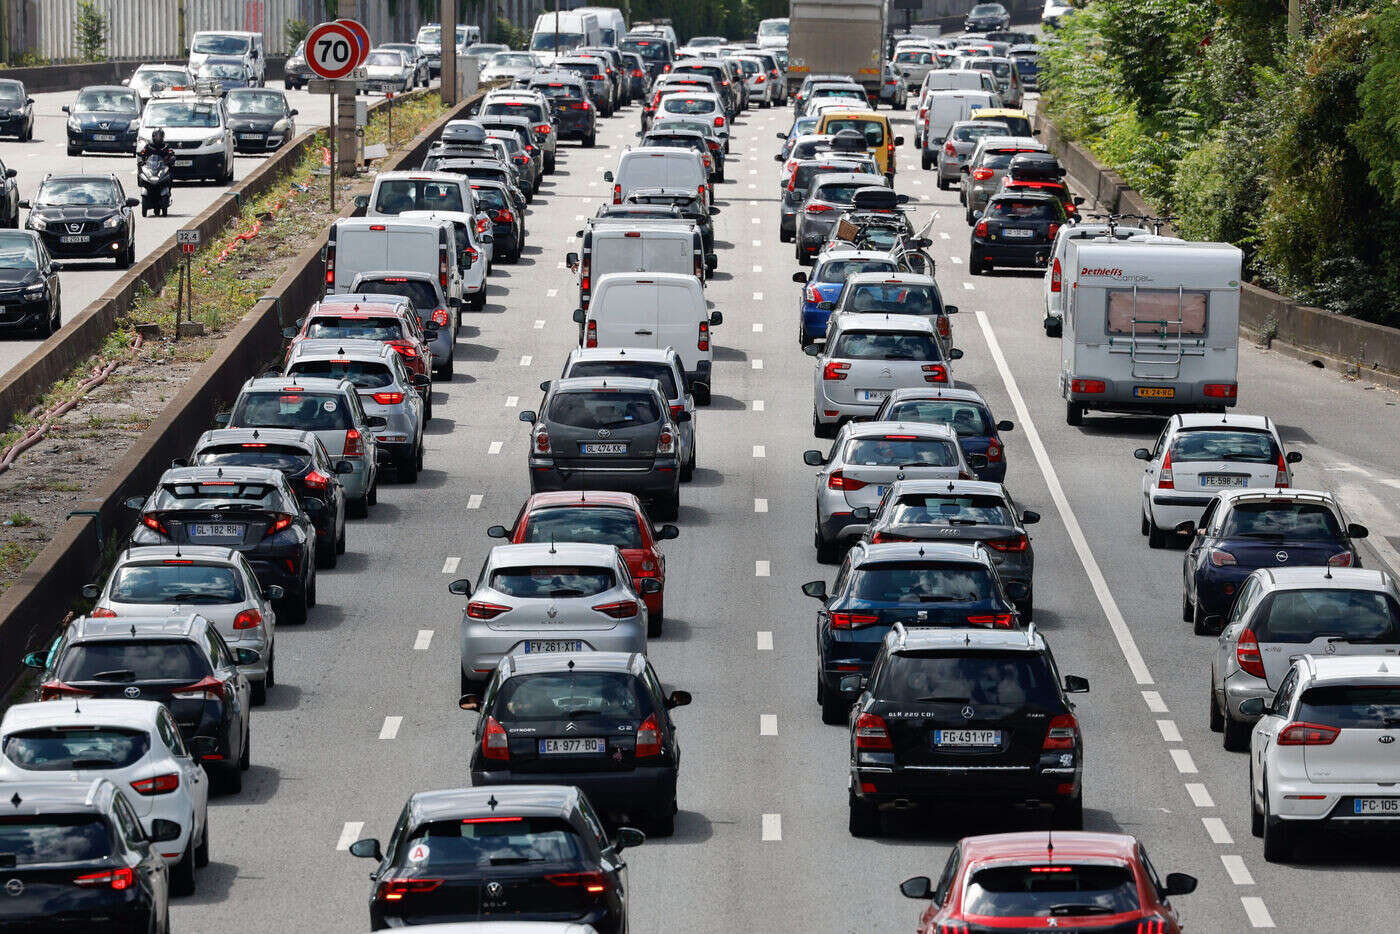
1091,883
395,325
604,518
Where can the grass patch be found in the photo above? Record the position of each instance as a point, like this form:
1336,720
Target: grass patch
15,557
19,520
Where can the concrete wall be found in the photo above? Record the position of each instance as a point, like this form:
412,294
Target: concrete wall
41,78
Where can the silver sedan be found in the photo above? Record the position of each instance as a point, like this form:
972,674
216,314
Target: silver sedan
549,598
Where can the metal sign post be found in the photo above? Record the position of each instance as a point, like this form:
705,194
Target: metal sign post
189,242
331,132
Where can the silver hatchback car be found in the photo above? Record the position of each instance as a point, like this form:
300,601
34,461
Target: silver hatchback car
958,146
982,173
567,597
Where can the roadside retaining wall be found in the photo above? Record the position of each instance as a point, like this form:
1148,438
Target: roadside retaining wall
43,78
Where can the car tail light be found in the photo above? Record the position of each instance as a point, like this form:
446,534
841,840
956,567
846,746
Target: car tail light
993,452
594,883
719,121
542,441
504,217
590,337
403,348
1247,654
817,209
1165,479
495,744
760,80
354,444
596,77
1340,560
1221,390
544,129
995,620
442,266
387,398
330,264
119,880
944,329
813,295
1063,733
523,160
935,373
151,522
1014,543
677,409
635,73
923,112
980,230
882,538
157,785
1154,925
393,890
102,612
702,340
478,609
1307,734
949,149
440,317
837,480
1088,385
52,690
853,620
871,732
584,270
617,194
208,688
279,523
1221,558
982,174
951,927
620,609
1055,276
1281,477
666,442
316,480
835,371
1052,230
247,619
648,738
481,223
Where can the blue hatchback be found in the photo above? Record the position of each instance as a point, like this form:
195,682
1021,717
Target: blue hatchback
968,414
822,287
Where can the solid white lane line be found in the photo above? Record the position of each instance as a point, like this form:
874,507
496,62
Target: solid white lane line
944,235
552,292
756,220
1126,644
957,260
1217,830
969,286
539,324
495,447
474,501
1169,731
1258,914
512,401
765,640
758,363
449,566
772,827
1154,702
349,834
762,569
767,724
758,269
424,639
758,296
525,360
758,327
1200,797
760,505
1239,872
759,451
390,729
1184,763
758,405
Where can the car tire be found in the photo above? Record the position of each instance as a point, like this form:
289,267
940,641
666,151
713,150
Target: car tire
701,392
1216,720
656,622
1256,816
408,469
358,508
75,151
259,693
549,159
1074,413
668,507
182,873
1198,621
927,164
232,780
784,236
271,679
245,761
827,552
974,268
834,710
1156,538
1279,837
292,610
201,850
864,819
340,540
1235,735
477,301
663,822
372,497
326,558
821,430
590,140
126,257
1188,613
1026,608
1070,815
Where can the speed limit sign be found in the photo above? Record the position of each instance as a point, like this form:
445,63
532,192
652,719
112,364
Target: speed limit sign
361,35
332,51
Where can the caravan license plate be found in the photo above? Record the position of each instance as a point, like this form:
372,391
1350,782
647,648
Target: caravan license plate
583,744
967,737
1019,233
1376,806
1154,392
605,448
1223,479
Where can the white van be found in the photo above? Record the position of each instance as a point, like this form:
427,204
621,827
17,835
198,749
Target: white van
366,244
247,46
942,109
655,310
659,167
473,251
644,247
573,29
411,190
612,26
1149,327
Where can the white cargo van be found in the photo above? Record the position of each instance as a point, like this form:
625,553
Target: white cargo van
611,24
573,29
1149,327
659,167
473,251
217,43
655,310
645,247
365,244
942,109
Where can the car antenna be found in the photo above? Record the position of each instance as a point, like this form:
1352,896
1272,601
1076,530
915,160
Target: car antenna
551,544
492,802
133,630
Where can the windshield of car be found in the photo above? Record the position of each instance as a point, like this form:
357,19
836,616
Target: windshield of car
967,418
572,695
677,104
373,329
107,100
1281,519
418,291
515,109
872,130
286,408
396,195
551,581
176,580
430,35
771,27
78,192
257,102
604,525
220,45
54,838
839,270
885,345
512,60
1298,616
1224,444
180,114
1015,679
923,582
491,841
897,298
11,92
603,409
549,41
287,459
67,748
1367,706
143,80
143,659
660,372
365,374
1017,210
17,251
386,59
1064,889
648,49
950,509
222,70
900,450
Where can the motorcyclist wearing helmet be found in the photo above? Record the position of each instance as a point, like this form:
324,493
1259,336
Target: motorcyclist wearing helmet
157,146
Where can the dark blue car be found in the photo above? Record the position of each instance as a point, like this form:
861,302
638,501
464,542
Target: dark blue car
103,119
914,583
821,289
1249,529
965,410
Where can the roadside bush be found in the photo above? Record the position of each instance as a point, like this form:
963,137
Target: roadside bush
90,32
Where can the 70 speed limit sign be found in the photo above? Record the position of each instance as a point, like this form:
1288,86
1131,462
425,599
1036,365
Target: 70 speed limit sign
332,51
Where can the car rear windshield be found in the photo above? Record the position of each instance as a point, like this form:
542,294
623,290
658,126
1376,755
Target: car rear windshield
1282,519
923,582
678,104
885,345
365,374
967,418
1063,889
552,581
370,329
603,409
872,130
55,838
560,695
133,660
287,459
397,195
896,298
558,91
1224,444
950,509
1367,706
216,494
309,411
968,134
913,58
999,158
648,49
515,109
492,840
803,175
1016,209
76,747
969,677
901,451
660,372
839,270
491,198
1297,616
604,525
839,192
176,581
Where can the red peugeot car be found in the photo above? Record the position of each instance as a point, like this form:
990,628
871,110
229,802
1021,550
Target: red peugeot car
604,518
1091,883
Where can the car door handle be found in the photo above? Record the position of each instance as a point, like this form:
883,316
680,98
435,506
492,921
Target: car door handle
642,332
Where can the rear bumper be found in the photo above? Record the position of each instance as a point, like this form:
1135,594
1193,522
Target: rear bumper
1002,253
619,795
662,479
1118,395
1239,687
896,787
484,647
200,165
843,410
838,526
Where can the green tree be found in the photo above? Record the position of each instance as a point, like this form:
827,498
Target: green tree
1376,132
295,30
90,32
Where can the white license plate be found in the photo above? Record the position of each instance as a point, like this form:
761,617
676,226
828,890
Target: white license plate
1018,233
74,238
104,137
872,395
224,530
1389,806
1223,479
251,137
967,737
605,448
183,163
583,744
533,646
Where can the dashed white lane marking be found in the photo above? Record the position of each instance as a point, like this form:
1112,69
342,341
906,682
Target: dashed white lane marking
753,171
758,405
956,260
1126,643
1169,731
758,327
760,505
495,447
474,501
944,235
756,220
1154,702
539,324
525,360
552,292
752,185
757,363
917,182
765,640
969,286
578,217
758,269
1200,797
758,243
1184,763
593,184
423,640
449,565
1238,871
762,569
1258,914
512,401
570,239
1218,832
759,451
1364,503
349,834
772,827
758,296
390,729
767,724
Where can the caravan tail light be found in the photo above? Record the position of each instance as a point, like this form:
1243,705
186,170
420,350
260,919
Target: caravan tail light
590,338
1221,390
330,264
1088,385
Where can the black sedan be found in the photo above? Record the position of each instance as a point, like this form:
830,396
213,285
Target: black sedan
522,853
1016,229
987,17
29,288
9,197
16,111
103,119
84,217
261,119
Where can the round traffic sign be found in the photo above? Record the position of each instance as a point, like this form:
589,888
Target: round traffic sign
331,51
361,35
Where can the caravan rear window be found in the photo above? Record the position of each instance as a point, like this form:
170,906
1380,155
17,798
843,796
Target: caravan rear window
1146,312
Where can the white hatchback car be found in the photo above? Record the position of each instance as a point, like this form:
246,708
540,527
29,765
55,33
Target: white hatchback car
136,745
1196,456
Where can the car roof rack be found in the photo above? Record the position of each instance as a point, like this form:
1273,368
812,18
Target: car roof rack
901,634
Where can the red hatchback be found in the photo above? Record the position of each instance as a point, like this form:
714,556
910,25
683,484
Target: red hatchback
604,518
1092,883
394,325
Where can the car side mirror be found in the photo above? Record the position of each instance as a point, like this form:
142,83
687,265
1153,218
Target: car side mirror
917,887
1074,684
899,141
293,112
376,422
134,502
964,170
11,173
813,458
812,350
628,837
180,461
1016,590
977,461
66,109
245,657
850,684
711,261
607,176
649,586
955,354
923,242
714,212
800,278
133,202
977,215
861,514
201,746
361,201
1179,883
274,592
1356,530
678,699
498,531
816,590
528,416
91,591
1005,425
781,136
462,587
223,418
367,848
1030,517
716,318
36,660
1143,454
1293,457
163,831
571,259
420,379
668,532
1255,707
289,332
1078,199
469,702
25,204
682,416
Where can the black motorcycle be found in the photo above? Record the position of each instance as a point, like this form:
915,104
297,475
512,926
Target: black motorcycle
154,179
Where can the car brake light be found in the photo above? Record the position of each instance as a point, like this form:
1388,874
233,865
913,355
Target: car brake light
1340,560
935,373
1247,654
504,217
982,174
442,266
677,410
719,121
52,690
247,619
316,480
278,524
1088,385
1281,477
702,342
981,229
1153,925
495,744
157,785
950,149
923,112
617,194
440,317
837,480
997,620
665,442
835,370
871,732
620,609
853,620
1221,559
154,524
542,441
207,688
1307,734
544,128
404,348
330,264
648,738
393,890
1052,230
1055,276
102,612
1014,543
478,609
881,538
993,452
1165,479
1063,733
590,338
1221,390
118,880
817,208
594,883
354,444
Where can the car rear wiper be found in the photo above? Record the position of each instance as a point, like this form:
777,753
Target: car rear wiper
93,763
917,464
189,597
116,674
514,860
944,699
1075,908
1244,457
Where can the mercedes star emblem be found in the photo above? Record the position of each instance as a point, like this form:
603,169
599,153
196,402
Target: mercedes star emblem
14,887
132,691
1282,556
968,712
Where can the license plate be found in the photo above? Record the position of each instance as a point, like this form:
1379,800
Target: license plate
620,448
222,530
880,490
967,737
250,137
1154,392
1018,233
1223,479
74,238
572,745
104,137
1390,806
872,395
183,163
534,646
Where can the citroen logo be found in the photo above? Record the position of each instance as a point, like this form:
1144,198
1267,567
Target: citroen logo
493,889
132,691
1282,556
968,713
886,373
604,432
570,727
1388,738
74,228
14,887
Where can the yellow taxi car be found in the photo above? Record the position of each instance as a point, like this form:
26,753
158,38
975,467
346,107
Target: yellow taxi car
880,140
1018,122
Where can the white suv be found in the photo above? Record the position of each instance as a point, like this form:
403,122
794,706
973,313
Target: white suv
197,129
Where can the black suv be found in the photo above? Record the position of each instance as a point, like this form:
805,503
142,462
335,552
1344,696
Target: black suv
16,111
568,96
111,876
84,217
598,720
524,852
1016,229
29,286
964,715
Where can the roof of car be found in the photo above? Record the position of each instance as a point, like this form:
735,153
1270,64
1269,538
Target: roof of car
277,383
925,429
550,553
1032,845
214,472
841,178
91,712
930,485
958,393
361,305
1230,497
867,553
582,498
641,354
1007,142
1226,420
329,348
1351,667
550,800
890,278
594,383
535,663
57,795
163,552
1321,577
129,627
294,436
876,321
